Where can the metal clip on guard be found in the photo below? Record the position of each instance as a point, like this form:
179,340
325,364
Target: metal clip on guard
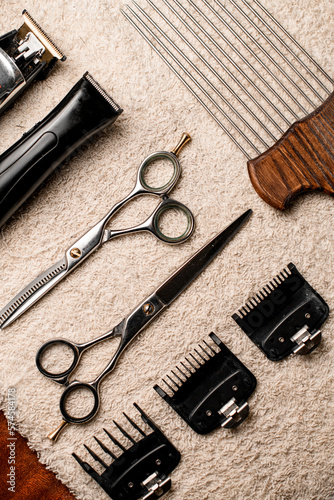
85,110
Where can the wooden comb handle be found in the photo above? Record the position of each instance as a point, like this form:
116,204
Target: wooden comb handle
302,160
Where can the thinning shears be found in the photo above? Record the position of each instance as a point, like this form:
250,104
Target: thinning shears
128,328
98,234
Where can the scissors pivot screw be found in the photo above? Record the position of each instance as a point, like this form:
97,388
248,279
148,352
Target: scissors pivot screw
75,253
148,308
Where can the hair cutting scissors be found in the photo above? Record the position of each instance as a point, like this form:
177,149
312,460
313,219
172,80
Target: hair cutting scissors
98,234
131,325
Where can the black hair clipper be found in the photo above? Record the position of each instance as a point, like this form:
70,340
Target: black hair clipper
26,54
85,110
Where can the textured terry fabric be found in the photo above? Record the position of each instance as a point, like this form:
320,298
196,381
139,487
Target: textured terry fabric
285,448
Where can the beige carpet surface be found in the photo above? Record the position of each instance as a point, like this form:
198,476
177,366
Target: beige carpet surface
284,450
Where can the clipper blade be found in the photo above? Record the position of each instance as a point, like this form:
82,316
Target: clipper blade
210,388
26,54
103,92
51,49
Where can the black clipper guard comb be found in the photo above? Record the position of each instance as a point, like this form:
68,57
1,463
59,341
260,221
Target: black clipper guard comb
83,112
141,471
210,389
284,317
26,54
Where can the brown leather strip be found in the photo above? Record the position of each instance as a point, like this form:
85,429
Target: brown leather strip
32,480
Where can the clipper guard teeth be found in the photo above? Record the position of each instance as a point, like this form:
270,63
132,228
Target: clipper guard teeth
209,387
284,317
139,469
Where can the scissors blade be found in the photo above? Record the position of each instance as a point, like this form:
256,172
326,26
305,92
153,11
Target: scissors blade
32,292
187,273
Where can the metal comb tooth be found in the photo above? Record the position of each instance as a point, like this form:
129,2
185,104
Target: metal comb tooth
104,448
276,49
239,69
226,69
114,440
247,47
301,89
281,40
220,109
200,100
277,66
216,75
96,457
